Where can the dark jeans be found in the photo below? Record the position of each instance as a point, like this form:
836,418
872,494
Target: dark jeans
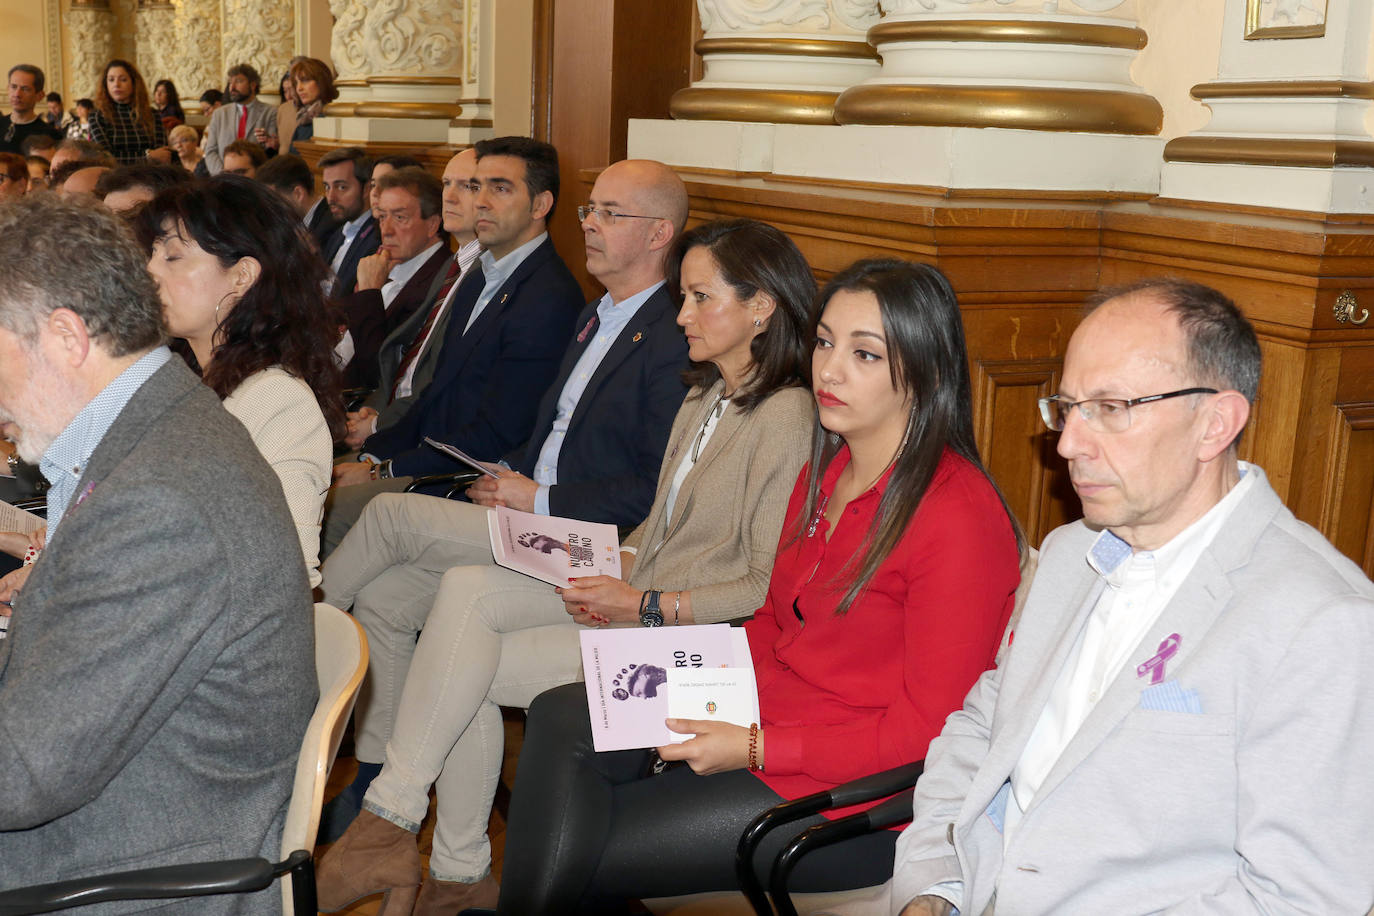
589,830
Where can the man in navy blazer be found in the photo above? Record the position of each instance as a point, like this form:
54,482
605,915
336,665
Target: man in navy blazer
599,438
347,176
508,328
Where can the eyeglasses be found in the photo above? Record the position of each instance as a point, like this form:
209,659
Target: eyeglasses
1103,415
607,217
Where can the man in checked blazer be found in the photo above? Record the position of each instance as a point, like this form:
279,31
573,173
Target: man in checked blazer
1185,720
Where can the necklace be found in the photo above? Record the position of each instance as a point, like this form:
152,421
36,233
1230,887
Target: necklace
717,409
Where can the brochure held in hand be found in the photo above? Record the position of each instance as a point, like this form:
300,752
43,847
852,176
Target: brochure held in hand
553,549
638,676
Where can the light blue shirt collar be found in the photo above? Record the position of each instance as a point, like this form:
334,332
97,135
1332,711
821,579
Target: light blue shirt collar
66,458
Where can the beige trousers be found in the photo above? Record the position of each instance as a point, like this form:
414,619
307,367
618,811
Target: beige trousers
430,710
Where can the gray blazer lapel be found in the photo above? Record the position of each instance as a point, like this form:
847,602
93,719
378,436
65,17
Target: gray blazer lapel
1200,600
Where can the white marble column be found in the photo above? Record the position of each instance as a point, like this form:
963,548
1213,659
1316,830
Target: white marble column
1292,124
981,94
778,61
401,63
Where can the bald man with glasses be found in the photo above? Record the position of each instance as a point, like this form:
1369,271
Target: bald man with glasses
1183,722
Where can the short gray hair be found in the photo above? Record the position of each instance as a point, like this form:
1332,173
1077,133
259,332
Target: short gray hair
63,253
1223,351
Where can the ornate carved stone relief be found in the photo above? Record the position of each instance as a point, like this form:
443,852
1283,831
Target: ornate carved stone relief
260,33
791,15
90,43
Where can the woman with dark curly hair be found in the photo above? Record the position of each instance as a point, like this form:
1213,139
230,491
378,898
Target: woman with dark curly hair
241,284
124,122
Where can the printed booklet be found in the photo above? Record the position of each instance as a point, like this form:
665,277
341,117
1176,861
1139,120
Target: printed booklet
553,549
632,675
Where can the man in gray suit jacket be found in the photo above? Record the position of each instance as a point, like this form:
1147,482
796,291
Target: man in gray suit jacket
158,672
1184,720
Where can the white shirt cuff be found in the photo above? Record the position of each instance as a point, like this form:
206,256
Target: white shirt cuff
541,500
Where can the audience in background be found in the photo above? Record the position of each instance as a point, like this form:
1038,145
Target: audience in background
14,176
243,158
384,166
210,102
128,187
25,90
167,104
286,110
409,356
38,172
78,125
240,283
124,122
76,178
240,118
347,174
314,90
44,145
895,578
502,347
734,452
290,177
85,152
54,115
396,280
186,147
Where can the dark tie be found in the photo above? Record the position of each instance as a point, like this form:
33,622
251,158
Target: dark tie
413,351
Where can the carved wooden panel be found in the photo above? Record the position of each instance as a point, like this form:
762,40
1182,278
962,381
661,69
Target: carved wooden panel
1016,447
1347,515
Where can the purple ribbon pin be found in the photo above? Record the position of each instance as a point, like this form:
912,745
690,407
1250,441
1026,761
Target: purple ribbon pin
582,335
1154,665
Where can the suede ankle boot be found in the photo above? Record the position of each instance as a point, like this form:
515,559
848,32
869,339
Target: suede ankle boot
445,898
374,856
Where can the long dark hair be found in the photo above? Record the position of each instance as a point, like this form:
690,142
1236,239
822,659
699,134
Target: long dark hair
173,106
928,360
143,109
753,257
282,319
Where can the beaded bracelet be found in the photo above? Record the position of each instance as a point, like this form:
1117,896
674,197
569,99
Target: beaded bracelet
754,765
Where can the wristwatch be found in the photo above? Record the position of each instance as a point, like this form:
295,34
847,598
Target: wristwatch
649,613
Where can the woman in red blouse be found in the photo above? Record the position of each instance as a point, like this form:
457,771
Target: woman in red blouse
893,582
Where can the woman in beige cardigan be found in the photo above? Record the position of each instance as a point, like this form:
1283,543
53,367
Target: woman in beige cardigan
494,637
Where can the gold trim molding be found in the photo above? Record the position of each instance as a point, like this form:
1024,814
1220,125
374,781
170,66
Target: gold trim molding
101,5
808,47
1021,31
435,110
1309,154
771,106
414,81
1284,89
1012,107
338,109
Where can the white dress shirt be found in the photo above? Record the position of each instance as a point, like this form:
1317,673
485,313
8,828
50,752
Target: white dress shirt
400,274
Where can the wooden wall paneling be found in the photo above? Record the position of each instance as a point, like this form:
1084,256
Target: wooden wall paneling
1012,440
1347,514
611,60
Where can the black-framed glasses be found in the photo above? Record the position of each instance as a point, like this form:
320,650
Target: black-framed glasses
607,217
1104,415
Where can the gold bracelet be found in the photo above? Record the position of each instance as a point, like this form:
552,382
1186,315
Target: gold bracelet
754,765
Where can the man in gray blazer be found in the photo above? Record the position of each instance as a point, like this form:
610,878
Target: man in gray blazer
243,118
158,671
1185,718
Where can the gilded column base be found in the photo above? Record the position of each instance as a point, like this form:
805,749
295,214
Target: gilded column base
771,106
1014,107
1293,153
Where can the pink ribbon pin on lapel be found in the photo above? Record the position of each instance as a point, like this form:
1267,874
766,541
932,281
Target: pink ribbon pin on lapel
1154,665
